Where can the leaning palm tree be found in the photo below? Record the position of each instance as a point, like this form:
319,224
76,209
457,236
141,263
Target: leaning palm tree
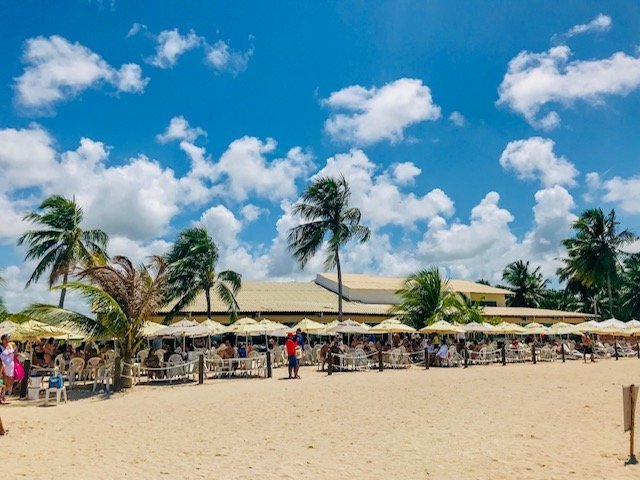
3,308
123,296
595,253
426,298
528,286
62,245
324,207
192,269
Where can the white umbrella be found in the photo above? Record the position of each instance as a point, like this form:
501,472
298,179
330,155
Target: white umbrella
348,327
183,328
392,325
214,328
477,327
442,327
239,326
309,326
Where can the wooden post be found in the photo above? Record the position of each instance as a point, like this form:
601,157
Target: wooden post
615,347
504,356
25,381
533,353
562,347
465,352
268,363
632,424
380,360
330,367
200,369
638,347
117,375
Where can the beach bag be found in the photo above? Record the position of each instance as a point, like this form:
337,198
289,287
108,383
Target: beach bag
298,353
56,381
18,371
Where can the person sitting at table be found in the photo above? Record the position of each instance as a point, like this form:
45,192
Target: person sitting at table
49,352
242,351
152,361
78,353
443,353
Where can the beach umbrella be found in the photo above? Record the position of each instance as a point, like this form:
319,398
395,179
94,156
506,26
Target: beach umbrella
392,325
535,329
240,325
33,330
8,327
633,324
475,327
562,328
183,328
533,325
282,332
214,328
506,328
149,328
443,327
309,326
348,327
586,326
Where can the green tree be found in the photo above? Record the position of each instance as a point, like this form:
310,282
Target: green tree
62,245
595,252
3,308
324,207
426,298
631,286
124,297
528,286
192,268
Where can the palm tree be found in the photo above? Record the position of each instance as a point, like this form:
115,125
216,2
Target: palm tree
631,285
425,298
594,254
3,308
192,268
62,245
124,297
528,286
324,207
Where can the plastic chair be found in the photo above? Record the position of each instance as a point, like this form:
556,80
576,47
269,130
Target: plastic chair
60,392
60,364
76,368
104,377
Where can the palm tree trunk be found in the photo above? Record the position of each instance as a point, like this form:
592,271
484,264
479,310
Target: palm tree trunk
339,286
63,292
610,295
207,295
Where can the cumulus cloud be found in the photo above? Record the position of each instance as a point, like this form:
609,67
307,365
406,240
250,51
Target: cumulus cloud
135,29
57,70
364,116
601,23
457,119
27,157
224,59
250,212
179,129
535,80
624,192
170,45
534,159
378,194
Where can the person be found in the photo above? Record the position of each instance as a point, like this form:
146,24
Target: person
291,345
300,338
152,361
49,352
443,353
7,356
436,340
587,344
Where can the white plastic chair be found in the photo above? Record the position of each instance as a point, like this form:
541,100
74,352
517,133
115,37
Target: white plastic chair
59,392
76,369
104,377
92,367
60,364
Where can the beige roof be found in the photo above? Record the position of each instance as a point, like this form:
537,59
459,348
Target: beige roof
285,297
373,282
532,312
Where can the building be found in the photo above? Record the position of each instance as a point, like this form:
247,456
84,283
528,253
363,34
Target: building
366,298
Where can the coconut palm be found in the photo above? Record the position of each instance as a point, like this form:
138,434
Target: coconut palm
124,297
192,269
528,286
324,207
631,286
62,245
3,308
595,253
426,298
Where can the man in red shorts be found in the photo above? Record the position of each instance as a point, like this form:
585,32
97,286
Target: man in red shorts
291,345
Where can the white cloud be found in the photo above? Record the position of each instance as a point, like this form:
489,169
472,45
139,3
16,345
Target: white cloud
457,119
223,59
170,45
624,192
179,129
379,196
405,173
376,114
135,29
56,70
534,80
136,251
222,225
534,159
602,23
243,169
27,157
250,212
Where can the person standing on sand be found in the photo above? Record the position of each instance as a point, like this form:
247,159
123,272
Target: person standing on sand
291,345
587,344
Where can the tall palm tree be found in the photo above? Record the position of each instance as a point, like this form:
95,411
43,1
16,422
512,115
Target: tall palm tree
425,298
124,297
528,286
3,308
62,245
324,207
631,285
595,252
192,269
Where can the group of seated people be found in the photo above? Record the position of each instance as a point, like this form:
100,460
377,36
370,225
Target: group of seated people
45,352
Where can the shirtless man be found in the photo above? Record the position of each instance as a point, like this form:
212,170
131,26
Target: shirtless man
587,344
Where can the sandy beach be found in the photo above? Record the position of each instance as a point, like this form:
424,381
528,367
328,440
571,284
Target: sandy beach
520,421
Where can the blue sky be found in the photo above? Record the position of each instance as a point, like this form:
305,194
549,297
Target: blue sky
472,132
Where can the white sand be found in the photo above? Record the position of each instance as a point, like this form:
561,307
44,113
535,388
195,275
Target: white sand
545,421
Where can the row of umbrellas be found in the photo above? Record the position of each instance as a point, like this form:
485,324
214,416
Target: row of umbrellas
33,330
